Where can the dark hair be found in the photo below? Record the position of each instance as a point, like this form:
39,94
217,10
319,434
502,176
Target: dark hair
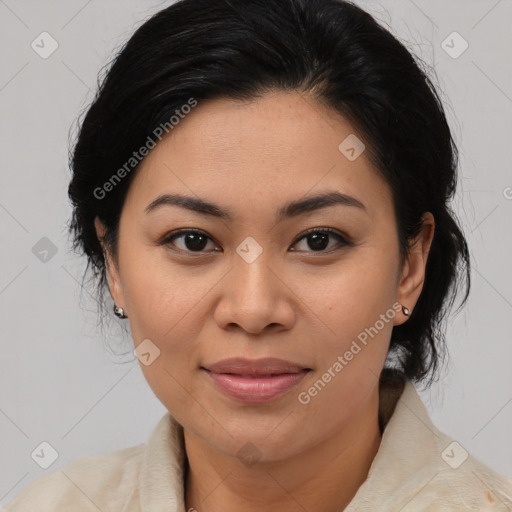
241,49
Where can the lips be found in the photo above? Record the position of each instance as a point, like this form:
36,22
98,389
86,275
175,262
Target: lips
255,381
267,366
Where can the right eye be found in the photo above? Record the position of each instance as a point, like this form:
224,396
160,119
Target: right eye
191,240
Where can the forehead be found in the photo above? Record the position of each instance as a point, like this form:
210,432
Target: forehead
282,145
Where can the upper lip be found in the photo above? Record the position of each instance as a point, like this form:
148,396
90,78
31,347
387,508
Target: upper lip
265,366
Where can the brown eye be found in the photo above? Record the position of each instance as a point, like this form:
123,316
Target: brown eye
188,240
318,240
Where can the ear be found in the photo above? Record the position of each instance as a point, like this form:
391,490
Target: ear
114,282
413,272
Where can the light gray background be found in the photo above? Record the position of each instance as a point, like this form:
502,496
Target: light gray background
59,382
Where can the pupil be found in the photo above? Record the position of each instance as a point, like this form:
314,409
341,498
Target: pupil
318,241
195,245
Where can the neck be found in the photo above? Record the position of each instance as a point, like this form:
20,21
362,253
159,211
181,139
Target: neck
325,478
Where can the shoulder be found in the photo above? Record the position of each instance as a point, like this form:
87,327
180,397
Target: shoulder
462,480
98,482
420,468
459,479
450,477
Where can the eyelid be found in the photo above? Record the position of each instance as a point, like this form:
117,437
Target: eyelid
331,231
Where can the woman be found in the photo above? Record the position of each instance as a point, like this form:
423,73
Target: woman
264,188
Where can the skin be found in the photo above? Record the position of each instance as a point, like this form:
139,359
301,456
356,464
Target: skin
292,302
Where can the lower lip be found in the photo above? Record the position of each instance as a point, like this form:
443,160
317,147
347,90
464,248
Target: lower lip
256,390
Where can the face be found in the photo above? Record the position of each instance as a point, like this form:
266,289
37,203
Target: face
263,271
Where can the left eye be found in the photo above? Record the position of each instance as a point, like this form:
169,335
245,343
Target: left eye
317,239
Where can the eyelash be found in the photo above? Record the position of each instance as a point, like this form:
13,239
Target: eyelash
343,241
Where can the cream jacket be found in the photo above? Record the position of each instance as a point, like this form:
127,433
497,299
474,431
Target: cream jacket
417,468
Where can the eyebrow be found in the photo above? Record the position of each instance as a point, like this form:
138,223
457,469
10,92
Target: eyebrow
289,210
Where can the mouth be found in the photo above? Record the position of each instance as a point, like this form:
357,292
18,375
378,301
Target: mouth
255,381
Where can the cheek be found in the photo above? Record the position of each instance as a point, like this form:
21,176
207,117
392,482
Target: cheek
167,311
163,295
353,295
170,316
355,306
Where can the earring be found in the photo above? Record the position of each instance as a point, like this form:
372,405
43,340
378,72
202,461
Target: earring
119,312
405,311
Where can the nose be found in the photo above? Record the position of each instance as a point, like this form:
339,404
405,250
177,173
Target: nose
255,298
